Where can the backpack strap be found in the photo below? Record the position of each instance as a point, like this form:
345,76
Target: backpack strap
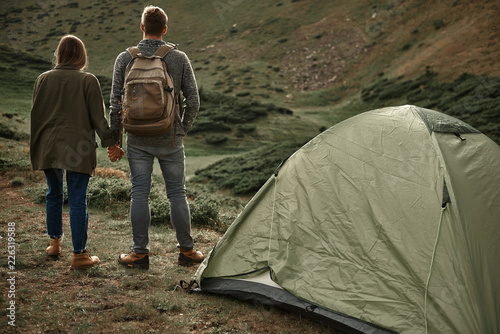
134,51
164,49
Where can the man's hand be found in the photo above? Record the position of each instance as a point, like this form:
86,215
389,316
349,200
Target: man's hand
115,153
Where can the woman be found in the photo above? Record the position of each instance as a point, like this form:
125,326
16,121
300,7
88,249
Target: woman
67,111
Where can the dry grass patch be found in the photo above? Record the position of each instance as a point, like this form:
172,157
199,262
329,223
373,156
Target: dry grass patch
110,298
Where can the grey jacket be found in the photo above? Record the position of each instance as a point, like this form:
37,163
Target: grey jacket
67,111
182,73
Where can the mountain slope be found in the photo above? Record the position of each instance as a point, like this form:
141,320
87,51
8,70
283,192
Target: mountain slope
279,47
323,60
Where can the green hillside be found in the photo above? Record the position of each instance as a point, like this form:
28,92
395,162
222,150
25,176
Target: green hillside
281,47
276,72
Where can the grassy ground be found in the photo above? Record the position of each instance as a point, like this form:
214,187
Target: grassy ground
109,298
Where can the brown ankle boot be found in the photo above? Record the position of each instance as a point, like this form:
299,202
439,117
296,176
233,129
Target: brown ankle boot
134,260
189,256
83,261
55,246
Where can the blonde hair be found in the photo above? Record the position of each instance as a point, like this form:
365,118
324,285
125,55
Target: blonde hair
71,51
154,20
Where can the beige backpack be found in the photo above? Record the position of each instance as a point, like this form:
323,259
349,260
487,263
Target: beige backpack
148,97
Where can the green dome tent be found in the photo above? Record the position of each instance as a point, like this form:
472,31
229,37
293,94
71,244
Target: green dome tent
386,222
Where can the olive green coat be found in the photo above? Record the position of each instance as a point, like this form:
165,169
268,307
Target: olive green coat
67,111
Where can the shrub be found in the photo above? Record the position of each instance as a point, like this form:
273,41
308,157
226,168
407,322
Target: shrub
471,98
220,111
246,69
6,132
216,139
207,125
160,210
438,24
101,192
246,173
17,181
18,163
204,211
110,172
246,128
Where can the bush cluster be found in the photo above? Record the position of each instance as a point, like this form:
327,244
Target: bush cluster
7,164
472,98
9,133
216,139
103,193
246,173
204,208
221,112
6,132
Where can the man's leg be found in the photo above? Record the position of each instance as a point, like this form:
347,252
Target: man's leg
172,167
141,167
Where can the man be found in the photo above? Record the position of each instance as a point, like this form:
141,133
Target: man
167,148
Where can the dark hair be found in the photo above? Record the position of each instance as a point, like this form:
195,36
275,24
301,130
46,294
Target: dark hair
154,20
71,51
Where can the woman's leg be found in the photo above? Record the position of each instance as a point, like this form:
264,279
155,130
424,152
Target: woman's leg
54,202
78,215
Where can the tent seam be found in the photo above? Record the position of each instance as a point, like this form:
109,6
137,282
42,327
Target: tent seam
430,268
272,221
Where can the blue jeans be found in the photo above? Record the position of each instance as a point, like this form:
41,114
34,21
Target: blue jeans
77,197
171,161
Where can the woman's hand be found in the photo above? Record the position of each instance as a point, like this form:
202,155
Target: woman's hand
115,152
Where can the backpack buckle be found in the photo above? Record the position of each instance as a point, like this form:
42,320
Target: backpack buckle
134,94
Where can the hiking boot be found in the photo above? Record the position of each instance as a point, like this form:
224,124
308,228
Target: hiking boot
83,261
188,257
55,246
134,260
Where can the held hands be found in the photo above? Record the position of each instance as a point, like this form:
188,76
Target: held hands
115,153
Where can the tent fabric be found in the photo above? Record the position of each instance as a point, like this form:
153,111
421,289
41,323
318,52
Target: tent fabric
390,217
261,289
